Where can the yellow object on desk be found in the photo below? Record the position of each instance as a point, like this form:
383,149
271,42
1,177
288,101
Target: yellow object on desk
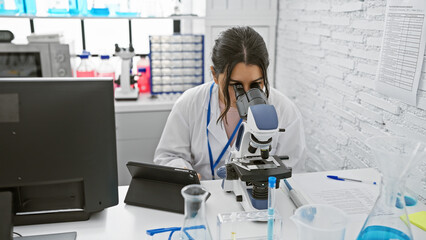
418,219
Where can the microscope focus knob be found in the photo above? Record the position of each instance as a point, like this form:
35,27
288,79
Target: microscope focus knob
133,80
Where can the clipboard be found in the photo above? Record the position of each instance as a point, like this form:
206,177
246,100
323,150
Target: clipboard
158,187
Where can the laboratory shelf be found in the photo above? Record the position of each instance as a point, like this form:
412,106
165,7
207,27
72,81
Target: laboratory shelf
183,17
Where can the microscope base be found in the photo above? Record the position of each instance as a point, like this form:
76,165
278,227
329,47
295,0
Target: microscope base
126,95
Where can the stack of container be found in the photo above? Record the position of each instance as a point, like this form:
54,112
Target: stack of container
177,62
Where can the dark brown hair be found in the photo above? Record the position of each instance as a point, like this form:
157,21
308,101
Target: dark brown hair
236,45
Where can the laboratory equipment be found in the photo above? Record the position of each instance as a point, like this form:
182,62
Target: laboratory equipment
99,8
250,165
144,75
105,68
85,68
395,157
177,63
271,206
35,60
63,7
126,90
182,7
195,223
320,222
82,7
126,9
58,141
11,7
30,7
248,225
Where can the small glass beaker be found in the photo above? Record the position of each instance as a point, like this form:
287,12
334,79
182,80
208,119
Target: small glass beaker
395,157
195,224
320,222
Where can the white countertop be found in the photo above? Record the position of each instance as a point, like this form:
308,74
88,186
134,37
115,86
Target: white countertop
146,102
131,222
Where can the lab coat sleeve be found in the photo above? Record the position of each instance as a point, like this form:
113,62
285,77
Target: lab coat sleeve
292,141
174,146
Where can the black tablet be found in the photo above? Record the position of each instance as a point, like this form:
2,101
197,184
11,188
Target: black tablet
158,187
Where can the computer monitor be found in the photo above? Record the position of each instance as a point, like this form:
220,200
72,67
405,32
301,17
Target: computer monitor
57,148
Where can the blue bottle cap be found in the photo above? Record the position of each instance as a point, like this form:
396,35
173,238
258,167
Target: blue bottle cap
104,56
83,56
272,181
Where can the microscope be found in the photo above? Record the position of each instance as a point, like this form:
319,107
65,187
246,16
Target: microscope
125,91
250,164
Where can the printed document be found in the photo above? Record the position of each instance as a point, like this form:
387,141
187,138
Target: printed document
352,197
403,47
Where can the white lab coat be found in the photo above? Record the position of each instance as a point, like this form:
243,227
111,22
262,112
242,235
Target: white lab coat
184,139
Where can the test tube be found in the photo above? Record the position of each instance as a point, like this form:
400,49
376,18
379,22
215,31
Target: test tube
271,206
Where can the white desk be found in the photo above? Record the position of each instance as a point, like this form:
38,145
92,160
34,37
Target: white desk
130,222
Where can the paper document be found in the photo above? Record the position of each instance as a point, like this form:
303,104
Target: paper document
403,47
352,197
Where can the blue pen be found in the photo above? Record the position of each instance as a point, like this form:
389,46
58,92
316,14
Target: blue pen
349,179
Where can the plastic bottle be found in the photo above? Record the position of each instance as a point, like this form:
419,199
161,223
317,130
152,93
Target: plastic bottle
85,69
105,68
99,8
82,7
144,73
11,7
73,7
58,7
30,7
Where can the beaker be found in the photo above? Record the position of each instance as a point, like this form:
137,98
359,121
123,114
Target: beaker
195,224
320,222
395,157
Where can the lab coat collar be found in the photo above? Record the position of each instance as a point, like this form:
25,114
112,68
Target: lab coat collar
216,130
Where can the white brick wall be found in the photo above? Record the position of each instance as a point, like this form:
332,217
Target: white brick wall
327,57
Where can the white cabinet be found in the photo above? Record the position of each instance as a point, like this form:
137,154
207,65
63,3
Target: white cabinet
139,126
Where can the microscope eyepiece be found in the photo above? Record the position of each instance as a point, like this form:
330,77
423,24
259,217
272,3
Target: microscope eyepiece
239,90
255,85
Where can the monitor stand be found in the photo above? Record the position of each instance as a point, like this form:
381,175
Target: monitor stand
56,236
6,215
6,226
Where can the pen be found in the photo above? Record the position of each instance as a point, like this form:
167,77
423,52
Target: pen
349,179
295,196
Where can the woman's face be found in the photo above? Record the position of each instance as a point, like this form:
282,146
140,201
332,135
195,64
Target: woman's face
242,74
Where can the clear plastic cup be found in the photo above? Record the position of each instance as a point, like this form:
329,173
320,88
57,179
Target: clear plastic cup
320,222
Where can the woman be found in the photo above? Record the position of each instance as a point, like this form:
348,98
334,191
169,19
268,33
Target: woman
204,118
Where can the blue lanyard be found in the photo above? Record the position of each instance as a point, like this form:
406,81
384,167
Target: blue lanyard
213,165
